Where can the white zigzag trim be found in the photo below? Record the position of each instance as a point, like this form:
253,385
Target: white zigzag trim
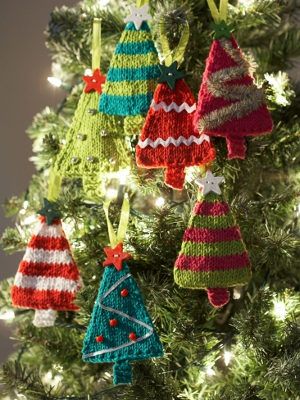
46,283
173,106
176,142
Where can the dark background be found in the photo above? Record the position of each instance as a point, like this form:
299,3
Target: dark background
25,65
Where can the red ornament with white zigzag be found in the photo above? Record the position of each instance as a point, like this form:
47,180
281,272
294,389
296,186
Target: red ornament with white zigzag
47,278
169,139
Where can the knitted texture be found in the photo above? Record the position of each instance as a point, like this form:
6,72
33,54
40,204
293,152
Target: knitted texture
47,278
93,145
169,139
132,337
213,254
229,103
132,75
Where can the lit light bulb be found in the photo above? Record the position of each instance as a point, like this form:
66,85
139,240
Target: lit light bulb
279,310
237,293
159,202
209,371
88,72
103,3
7,315
246,3
111,193
123,175
56,82
227,357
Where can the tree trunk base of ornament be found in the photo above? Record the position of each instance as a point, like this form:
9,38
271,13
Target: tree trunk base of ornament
174,177
44,318
122,373
236,147
218,297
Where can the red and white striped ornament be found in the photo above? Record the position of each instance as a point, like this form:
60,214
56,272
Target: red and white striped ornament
48,278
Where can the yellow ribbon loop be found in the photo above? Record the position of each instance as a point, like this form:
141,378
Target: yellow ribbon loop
96,44
141,3
176,54
218,14
123,224
54,185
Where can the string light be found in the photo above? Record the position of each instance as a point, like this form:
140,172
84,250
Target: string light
7,315
159,202
56,82
51,380
237,293
123,176
279,83
227,357
103,3
246,3
111,193
88,72
279,310
209,371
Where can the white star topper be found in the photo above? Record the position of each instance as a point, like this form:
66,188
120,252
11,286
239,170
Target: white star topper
138,15
210,183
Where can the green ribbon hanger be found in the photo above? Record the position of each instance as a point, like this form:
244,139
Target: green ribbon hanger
141,3
96,43
177,54
218,14
54,185
114,238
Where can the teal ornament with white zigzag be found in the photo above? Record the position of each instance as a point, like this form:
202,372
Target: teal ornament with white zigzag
120,329
133,74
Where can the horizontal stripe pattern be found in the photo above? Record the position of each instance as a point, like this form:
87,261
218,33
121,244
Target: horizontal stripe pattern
48,256
125,88
134,61
43,242
215,209
143,47
212,263
203,280
125,105
205,235
43,299
133,74
210,222
50,231
213,249
68,271
45,283
131,27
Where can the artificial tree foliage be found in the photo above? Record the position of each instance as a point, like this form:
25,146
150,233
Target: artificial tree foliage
250,349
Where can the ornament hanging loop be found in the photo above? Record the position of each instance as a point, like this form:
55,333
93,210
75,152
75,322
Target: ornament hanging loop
141,3
116,238
96,44
218,14
177,54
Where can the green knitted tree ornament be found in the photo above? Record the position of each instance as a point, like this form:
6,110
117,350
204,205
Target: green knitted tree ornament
133,125
213,255
120,329
93,144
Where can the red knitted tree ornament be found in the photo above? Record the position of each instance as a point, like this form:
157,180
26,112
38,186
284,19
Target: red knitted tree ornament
47,279
229,104
168,138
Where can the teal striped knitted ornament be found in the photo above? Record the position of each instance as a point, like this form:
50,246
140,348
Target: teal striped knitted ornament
213,255
133,72
120,329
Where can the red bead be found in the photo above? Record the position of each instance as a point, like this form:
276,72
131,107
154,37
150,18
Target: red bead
124,292
99,339
132,336
113,322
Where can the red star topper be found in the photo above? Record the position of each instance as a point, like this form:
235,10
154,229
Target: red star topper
115,256
94,82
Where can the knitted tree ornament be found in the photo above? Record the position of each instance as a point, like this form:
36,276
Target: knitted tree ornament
213,255
47,279
120,329
169,139
230,104
132,75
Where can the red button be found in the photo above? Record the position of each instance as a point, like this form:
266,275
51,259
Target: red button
113,322
132,336
124,292
99,339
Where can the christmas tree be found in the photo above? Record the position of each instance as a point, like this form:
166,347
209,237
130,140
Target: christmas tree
248,349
